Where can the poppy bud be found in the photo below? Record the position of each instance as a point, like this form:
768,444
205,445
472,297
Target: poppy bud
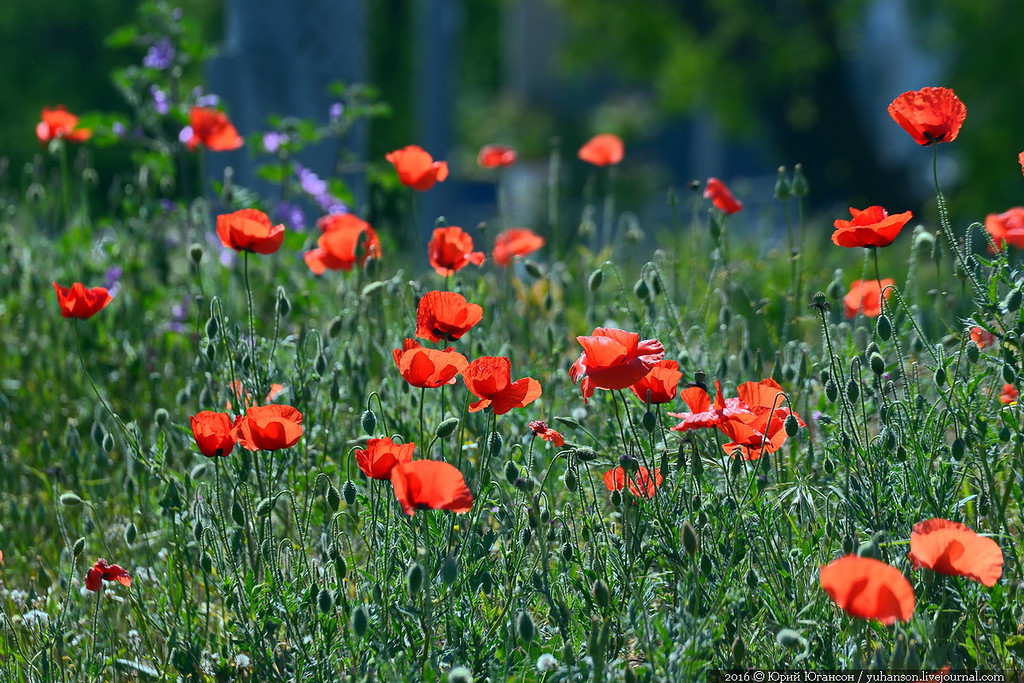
533,268
206,562
325,601
320,364
333,498
349,492
790,639
368,422
1004,434
641,290
511,472
284,306
447,427
831,391
649,421
783,190
957,448
69,499
973,352
359,621
449,570
739,652
800,185
197,531
571,482
877,363
414,580
265,506
79,547
691,543
1013,300
791,425
195,252
725,316
616,498
848,544
697,466
596,278
852,390
494,443
1009,374
524,484
334,328
584,453
526,536
238,513
629,463
715,226
834,290
130,533
567,552
524,627
752,579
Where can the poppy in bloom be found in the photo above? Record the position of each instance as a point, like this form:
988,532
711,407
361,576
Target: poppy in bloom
1006,227
541,429
249,230
766,431
489,378
445,315
212,433
79,301
346,241
430,485
721,197
614,359
212,129
703,414
868,589
603,150
643,484
951,548
450,249
930,115
872,227
416,168
1009,394
982,337
268,428
101,571
866,296
428,368
60,123
515,242
493,156
236,387
659,386
381,455
1020,159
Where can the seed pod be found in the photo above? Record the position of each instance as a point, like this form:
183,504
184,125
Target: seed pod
360,620
368,421
447,427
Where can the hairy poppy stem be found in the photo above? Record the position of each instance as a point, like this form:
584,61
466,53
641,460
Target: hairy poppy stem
947,227
248,300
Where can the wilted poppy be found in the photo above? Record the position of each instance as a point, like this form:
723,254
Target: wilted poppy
493,156
515,242
345,242
381,455
249,230
720,196
642,484
268,428
1009,394
613,359
79,301
703,414
872,227
866,296
428,368
659,386
982,337
212,433
930,115
951,548
211,128
101,571
430,485
489,378
60,123
541,429
450,249
445,315
416,168
868,589
1006,227
603,150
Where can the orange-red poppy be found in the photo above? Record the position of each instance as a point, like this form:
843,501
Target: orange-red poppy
101,571
345,242
720,196
249,230
445,315
493,156
930,115
659,386
515,242
951,548
268,428
866,296
872,227
79,301
868,589
416,168
213,433
381,455
212,129
541,429
613,359
643,484
1020,160
1006,227
982,337
237,388
428,368
605,149
450,249
489,378
1009,394
765,433
703,414
430,485
60,123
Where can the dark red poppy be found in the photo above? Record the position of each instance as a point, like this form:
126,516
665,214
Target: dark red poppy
450,249
614,359
101,571
982,337
416,168
428,368
493,156
868,589
212,129
381,455
642,484
603,150
430,485
930,115
1009,394
951,548
249,230
1006,227
659,386
489,378
212,433
541,429
60,124
721,197
515,242
703,414
346,241
79,301
268,428
872,227
866,296
445,315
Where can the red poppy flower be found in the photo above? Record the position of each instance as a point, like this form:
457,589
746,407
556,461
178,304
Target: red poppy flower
381,455
79,301
213,129
450,249
643,484
490,379
721,197
603,150
515,242
60,123
614,359
659,386
541,429
212,433
869,589
930,115
703,415
1006,227
766,432
1020,160
872,227
445,315
249,230
268,428
982,337
866,296
430,485
1009,394
951,548
493,156
428,368
416,168
345,242
101,571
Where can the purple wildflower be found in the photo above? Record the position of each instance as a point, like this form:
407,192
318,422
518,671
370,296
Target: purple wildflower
186,134
113,279
291,215
330,204
273,140
310,182
179,314
201,100
160,55
336,110
160,101
118,129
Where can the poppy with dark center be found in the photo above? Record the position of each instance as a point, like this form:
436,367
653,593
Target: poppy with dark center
868,589
268,428
613,359
381,455
515,242
451,249
212,129
445,316
249,230
428,368
605,149
720,196
430,485
872,227
982,337
101,571
642,484
951,548
79,301
495,156
346,241
212,433
489,378
929,115
866,296
659,386
59,123
1006,227
416,168
541,429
